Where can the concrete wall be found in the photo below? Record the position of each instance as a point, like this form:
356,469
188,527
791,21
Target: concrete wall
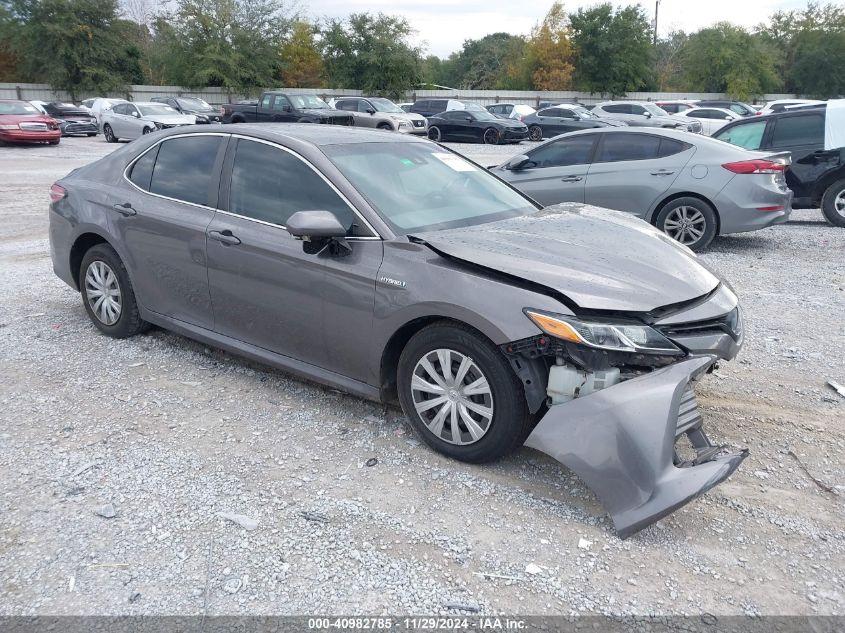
43,92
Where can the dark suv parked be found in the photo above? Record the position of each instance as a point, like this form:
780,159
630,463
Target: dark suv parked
817,175
204,112
430,107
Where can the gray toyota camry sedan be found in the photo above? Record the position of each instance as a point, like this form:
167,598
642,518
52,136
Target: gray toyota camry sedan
397,270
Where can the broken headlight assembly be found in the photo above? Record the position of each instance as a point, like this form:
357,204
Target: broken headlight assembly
612,336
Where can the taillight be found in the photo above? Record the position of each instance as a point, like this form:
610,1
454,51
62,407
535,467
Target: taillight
756,166
57,192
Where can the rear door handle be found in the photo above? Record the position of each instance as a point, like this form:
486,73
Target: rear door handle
125,209
662,172
572,178
224,237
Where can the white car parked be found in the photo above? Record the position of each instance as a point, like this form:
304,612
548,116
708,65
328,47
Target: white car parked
99,105
711,119
780,105
131,120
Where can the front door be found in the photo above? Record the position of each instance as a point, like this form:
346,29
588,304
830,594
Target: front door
557,171
802,135
162,222
265,288
630,171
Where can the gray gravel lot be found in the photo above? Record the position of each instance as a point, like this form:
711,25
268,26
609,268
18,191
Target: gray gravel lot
118,457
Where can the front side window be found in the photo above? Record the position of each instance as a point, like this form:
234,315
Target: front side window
270,184
184,168
807,129
617,108
422,187
281,103
571,151
747,135
551,112
266,100
623,147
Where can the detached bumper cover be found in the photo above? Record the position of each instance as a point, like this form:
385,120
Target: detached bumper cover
621,442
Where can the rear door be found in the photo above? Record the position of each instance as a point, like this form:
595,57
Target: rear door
558,170
171,201
630,171
802,135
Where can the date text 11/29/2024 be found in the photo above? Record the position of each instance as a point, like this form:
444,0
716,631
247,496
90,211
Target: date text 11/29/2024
418,623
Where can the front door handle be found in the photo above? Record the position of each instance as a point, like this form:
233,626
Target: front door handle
125,209
224,237
662,172
572,178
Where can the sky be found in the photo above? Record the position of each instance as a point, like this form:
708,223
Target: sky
443,25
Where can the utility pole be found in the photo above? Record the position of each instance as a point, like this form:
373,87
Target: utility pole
654,35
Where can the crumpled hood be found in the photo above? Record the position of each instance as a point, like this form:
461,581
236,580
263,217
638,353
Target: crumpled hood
600,259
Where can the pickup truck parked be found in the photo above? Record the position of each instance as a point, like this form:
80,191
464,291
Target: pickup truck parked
283,107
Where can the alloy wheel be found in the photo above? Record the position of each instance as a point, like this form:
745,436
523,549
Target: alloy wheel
685,224
108,133
103,292
452,396
434,134
839,203
535,133
491,136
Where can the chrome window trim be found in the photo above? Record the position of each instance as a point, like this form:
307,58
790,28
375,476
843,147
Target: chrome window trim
375,236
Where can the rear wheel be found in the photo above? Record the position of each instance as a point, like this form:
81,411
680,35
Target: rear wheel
461,394
434,134
491,136
107,293
109,134
535,133
833,203
690,221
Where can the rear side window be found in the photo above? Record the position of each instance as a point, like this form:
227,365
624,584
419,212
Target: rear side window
807,129
270,184
670,147
617,108
571,151
747,135
621,147
184,168
142,170
346,104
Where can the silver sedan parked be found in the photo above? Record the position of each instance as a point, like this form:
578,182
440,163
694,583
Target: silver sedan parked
690,186
131,120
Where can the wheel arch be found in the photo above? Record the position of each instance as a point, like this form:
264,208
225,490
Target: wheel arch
825,182
652,217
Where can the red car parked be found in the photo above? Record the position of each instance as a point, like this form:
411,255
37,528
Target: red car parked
21,122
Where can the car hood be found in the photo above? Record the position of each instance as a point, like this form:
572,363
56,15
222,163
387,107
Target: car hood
171,119
598,258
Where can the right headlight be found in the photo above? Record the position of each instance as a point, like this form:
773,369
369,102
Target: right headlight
608,335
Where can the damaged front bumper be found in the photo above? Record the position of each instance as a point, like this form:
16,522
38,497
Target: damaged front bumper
622,442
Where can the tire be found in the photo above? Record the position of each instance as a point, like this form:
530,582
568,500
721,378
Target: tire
146,130
535,133
238,119
98,262
492,436
385,126
109,134
690,221
833,203
491,136
434,134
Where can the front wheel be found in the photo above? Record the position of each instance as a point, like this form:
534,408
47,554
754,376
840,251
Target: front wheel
690,221
461,395
109,134
833,203
535,133
107,293
386,127
491,136
147,130
434,134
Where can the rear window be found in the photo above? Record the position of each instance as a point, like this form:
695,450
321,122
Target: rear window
184,168
670,147
621,147
746,135
807,129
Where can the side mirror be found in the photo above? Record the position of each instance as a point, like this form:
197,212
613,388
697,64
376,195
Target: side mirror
648,115
136,114
371,111
317,229
518,162
727,118
286,108
467,118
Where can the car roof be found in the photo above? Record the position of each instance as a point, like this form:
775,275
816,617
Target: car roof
314,134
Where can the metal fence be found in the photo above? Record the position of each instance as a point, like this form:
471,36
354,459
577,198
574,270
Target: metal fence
216,96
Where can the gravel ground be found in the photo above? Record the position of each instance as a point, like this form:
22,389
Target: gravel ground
118,459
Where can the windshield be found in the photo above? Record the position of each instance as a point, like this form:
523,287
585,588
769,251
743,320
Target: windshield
193,104
386,105
17,108
307,101
422,187
150,110
655,110
584,113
